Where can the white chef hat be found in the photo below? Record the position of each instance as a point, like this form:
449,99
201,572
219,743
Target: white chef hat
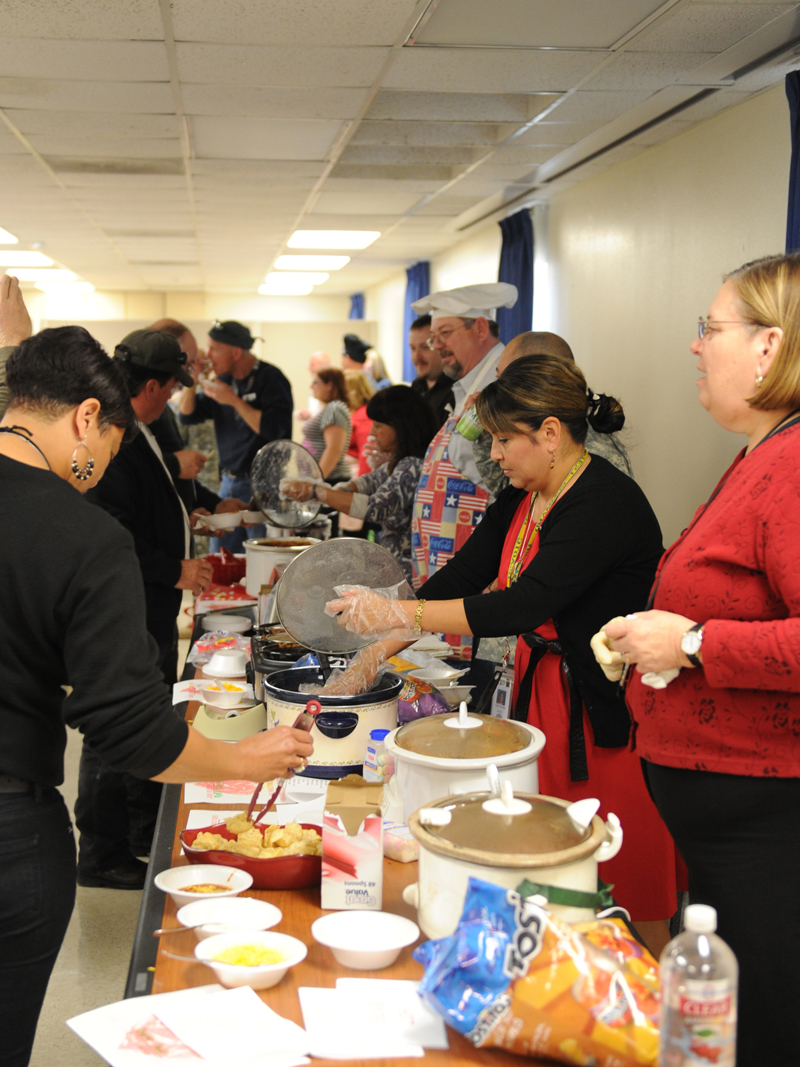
468,301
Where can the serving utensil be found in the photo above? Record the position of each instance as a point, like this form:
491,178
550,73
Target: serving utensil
304,721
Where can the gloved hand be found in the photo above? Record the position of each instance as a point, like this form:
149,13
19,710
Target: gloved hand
370,613
360,675
301,489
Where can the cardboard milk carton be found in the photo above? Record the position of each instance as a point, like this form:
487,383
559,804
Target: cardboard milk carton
352,846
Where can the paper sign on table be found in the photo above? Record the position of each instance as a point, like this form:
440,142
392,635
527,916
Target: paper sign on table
389,1003
236,1027
337,1030
235,792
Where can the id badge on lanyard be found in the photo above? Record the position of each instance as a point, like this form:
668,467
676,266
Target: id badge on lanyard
501,700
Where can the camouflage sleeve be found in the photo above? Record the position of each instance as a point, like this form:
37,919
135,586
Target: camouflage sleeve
491,473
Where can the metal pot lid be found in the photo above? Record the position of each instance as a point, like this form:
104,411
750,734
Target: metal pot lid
490,737
283,459
541,837
308,584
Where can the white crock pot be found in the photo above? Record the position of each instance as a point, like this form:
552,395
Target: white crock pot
422,778
579,840
341,730
263,554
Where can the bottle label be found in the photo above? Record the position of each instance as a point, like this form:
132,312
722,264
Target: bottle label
701,1025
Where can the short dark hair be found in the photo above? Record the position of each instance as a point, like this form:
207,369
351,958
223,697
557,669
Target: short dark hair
494,327
410,416
58,368
423,322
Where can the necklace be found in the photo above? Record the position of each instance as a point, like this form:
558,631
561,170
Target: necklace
21,431
522,545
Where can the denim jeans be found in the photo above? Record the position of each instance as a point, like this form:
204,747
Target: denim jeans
234,541
37,894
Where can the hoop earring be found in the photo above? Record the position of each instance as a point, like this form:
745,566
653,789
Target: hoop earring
83,474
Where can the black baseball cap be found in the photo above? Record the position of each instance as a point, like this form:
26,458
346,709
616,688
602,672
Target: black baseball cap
154,350
355,348
232,333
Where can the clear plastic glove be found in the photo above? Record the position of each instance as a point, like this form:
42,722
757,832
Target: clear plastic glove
360,675
374,612
299,488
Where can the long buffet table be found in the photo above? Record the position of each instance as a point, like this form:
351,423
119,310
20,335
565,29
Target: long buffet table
152,971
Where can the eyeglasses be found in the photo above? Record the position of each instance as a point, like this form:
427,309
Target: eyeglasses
704,326
443,337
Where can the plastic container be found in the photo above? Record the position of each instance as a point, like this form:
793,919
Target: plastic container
378,763
699,978
469,425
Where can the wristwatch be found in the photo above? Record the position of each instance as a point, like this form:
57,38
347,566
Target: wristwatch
691,643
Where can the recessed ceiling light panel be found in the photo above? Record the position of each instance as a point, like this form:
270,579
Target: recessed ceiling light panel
311,262
24,259
278,277
332,238
284,290
7,238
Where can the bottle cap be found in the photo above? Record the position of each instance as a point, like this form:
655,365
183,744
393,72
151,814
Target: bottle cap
378,735
700,919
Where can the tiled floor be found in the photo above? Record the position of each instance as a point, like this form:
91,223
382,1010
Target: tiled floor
93,964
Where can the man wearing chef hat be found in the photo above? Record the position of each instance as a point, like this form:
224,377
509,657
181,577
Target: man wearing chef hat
450,499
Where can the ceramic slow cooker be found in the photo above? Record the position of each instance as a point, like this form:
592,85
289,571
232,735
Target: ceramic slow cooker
480,835
263,554
448,754
341,730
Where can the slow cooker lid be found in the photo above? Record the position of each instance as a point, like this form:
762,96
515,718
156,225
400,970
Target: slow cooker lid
277,460
545,828
432,737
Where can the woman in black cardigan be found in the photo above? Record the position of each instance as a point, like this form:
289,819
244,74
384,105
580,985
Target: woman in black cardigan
571,543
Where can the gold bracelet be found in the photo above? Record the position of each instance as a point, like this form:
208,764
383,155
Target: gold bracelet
418,617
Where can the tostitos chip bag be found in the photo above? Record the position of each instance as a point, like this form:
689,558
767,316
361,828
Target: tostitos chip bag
514,977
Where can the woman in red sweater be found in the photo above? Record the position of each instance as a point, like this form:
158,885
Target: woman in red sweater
719,744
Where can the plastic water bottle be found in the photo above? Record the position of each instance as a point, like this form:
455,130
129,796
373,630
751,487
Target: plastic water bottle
699,978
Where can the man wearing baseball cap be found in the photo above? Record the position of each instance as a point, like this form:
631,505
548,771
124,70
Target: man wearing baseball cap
249,402
115,812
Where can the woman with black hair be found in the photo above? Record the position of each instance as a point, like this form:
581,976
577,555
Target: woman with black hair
402,428
74,618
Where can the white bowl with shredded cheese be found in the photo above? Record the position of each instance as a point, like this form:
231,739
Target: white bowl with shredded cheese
255,958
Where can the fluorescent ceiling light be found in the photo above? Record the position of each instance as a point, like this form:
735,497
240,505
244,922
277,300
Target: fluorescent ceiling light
311,262
332,238
43,274
284,290
7,238
65,287
294,278
24,259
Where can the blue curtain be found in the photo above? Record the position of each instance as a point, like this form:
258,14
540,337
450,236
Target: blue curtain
418,284
793,214
357,306
516,266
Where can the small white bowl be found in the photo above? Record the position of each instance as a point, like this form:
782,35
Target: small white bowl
227,663
225,915
218,697
441,675
227,520
262,977
365,940
232,624
173,881
252,518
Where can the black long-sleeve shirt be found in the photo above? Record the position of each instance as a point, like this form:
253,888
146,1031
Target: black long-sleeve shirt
598,551
73,614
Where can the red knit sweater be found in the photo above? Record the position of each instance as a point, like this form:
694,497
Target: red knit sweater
736,568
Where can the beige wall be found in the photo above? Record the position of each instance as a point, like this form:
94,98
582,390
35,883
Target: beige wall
636,256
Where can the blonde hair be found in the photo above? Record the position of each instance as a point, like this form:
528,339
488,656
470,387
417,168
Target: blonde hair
768,290
359,388
377,366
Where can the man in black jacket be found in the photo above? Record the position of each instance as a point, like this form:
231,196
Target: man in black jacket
115,813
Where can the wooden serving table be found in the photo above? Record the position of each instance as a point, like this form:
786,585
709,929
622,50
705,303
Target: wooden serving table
300,907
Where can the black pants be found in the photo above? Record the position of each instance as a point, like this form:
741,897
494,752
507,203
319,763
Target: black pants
37,893
740,838
115,813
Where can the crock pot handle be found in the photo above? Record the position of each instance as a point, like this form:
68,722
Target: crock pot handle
411,894
613,842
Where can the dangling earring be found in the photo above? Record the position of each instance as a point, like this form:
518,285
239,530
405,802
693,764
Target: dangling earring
759,380
552,460
83,474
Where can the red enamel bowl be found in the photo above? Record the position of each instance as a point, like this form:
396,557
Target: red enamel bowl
276,872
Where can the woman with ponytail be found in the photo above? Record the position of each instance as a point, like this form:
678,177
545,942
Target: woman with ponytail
570,543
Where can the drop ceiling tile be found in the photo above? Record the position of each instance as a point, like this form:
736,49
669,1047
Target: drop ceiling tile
706,27
447,204
240,138
171,277
106,147
644,70
434,172
125,185
10,146
101,19
455,107
435,134
349,184
246,169
484,70
404,154
276,103
220,64
537,23
275,22
92,124
356,203
135,61
504,171
157,249
555,133
596,107
49,94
